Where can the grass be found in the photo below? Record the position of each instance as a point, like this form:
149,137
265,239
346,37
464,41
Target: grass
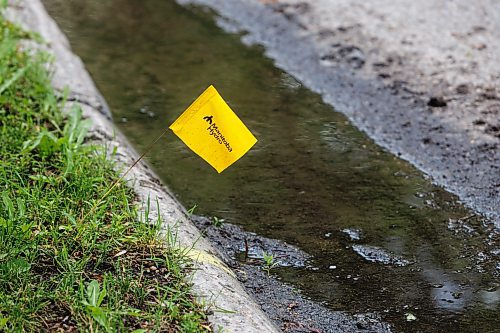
58,272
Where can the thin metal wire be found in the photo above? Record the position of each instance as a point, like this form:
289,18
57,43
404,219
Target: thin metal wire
148,148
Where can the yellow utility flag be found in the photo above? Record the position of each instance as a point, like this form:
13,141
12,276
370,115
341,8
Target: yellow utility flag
213,131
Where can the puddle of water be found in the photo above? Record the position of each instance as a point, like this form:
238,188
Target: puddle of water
312,179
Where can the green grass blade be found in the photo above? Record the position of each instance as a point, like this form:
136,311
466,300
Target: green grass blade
20,72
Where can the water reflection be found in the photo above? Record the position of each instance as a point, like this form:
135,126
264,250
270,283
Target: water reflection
446,293
491,298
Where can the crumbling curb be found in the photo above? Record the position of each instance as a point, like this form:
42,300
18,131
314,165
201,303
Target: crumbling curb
233,309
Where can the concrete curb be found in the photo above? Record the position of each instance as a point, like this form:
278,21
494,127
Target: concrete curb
213,281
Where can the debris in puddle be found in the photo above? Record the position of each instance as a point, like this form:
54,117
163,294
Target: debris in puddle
366,321
376,254
400,174
460,226
491,289
354,234
410,316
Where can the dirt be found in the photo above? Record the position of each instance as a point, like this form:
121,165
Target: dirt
141,262
422,79
288,308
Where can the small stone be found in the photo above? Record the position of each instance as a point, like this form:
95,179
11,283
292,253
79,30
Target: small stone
410,317
332,267
354,234
480,46
124,120
462,89
437,102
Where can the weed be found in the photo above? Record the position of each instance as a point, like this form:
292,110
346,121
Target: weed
217,222
269,262
192,209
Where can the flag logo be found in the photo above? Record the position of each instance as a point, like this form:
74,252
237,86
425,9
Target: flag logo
208,119
213,131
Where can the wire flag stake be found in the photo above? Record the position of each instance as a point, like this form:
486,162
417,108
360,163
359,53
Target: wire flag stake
147,150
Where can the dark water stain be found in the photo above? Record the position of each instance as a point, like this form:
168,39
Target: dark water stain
310,176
